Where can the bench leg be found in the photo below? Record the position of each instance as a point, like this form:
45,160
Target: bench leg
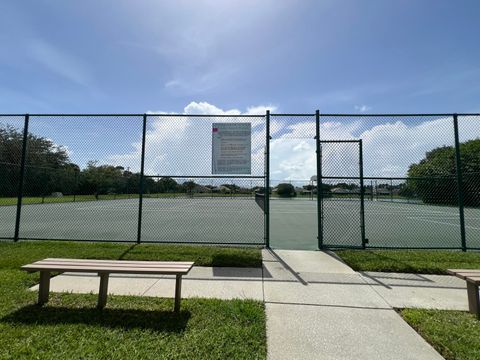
43,287
473,299
103,290
178,293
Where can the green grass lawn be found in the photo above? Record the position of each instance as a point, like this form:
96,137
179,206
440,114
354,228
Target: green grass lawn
13,255
409,261
70,327
454,334
26,200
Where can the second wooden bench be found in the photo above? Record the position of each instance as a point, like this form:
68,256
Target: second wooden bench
472,278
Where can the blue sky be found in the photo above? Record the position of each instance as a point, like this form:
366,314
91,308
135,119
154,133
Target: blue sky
337,56
209,57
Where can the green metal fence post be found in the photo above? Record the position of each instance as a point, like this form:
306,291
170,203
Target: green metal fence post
142,173
362,195
21,179
267,179
319,180
371,190
75,185
458,166
391,190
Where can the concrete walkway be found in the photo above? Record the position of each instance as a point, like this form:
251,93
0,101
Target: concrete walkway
317,307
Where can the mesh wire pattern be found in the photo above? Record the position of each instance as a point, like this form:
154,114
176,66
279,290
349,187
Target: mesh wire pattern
147,177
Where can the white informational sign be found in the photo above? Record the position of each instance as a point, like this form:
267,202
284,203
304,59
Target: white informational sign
231,148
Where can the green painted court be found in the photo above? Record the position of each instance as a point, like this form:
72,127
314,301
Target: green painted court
240,221
387,224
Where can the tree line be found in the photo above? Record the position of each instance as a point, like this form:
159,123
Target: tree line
434,178
49,170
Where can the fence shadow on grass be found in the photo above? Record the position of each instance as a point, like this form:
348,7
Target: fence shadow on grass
159,321
127,251
235,260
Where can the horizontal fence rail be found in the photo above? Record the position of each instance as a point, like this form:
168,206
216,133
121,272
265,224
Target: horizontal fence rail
316,180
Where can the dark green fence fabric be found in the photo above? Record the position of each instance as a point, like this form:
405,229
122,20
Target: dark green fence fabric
327,180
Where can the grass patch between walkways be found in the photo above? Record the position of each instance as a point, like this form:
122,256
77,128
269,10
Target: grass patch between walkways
454,334
14,255
409,261
70,327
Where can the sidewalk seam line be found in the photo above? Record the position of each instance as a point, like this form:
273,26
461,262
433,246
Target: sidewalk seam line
376,292
151,286
263,282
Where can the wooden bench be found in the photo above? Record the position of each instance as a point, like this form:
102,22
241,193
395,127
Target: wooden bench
104,268
473,281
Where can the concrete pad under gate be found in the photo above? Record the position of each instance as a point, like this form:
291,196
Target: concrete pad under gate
308,261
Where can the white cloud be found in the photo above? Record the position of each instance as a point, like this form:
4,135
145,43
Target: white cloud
204,108
390,145
362,108
182,145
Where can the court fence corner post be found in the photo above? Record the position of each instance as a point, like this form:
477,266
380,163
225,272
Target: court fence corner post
267,179
318,155
141,185
459,171
21,180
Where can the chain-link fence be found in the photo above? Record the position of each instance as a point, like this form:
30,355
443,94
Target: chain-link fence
136,178
314,180
11,141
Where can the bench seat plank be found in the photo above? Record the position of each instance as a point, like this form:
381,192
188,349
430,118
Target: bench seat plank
108,269
116,266
114,263
474,279
110,266
118,261
457,272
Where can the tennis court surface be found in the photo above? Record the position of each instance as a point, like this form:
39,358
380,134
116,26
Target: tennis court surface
387,224
240,221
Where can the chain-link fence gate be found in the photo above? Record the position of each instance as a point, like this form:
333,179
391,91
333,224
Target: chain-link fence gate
341,194
293,203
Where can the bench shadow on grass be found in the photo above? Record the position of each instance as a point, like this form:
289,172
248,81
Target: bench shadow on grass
159,321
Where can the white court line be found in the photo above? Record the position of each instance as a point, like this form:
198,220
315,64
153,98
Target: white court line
444,223
420,211
419,215
292,212
175,211
412,209
183,210
135,207
453,217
